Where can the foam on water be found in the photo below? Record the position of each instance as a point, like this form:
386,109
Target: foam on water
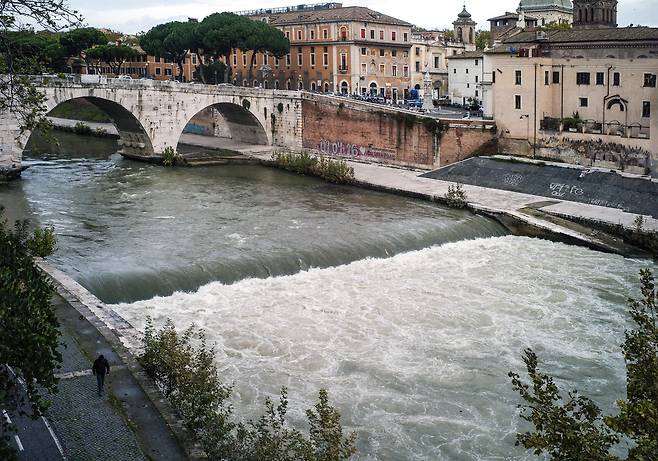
415,348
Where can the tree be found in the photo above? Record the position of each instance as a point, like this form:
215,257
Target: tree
572,427
30,330
77,40
17,93
113,55
36,52
482,39
172,40
264,38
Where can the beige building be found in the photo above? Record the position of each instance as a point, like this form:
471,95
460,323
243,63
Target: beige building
547,11
582,84
350,50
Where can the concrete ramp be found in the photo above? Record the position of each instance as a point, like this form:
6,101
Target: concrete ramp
632,194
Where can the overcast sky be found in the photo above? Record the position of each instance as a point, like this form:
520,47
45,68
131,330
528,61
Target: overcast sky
132,16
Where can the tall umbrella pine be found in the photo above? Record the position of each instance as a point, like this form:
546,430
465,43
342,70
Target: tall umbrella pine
171,40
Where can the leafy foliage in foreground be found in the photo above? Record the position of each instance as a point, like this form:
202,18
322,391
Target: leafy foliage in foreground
183,367
572,427
456,196
335,171
28,326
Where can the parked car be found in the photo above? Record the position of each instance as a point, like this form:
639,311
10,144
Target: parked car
124,77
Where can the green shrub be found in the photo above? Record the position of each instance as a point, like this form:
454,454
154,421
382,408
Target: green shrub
456,197
170,157
434,126
83,129
335,171
183,367
43,242
574,122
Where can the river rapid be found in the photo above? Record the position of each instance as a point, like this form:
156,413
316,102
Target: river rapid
410,314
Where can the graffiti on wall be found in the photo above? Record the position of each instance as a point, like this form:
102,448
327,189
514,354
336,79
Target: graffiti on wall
597,151
343,149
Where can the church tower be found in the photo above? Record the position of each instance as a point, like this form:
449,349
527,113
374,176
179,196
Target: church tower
594,14
465,29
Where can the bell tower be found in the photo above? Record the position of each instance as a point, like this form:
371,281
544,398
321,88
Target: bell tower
594,14
465,29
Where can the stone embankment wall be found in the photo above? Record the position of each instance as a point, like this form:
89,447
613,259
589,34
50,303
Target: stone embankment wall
352,129
587,152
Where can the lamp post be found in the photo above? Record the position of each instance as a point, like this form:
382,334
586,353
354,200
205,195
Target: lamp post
527,131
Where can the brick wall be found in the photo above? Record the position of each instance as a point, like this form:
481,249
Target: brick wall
346,128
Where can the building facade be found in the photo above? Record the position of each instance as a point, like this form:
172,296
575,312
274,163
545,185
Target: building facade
349,50
592,85
465,73
595,14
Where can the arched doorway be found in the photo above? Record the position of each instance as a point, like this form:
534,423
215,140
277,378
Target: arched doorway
344,87
373,89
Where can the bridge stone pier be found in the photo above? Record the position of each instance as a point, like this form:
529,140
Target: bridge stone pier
150,115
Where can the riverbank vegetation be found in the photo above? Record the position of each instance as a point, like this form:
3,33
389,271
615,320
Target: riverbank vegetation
183,367
170,157
456,196
29,329
335,171
571,426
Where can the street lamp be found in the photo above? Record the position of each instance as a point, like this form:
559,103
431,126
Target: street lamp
534,145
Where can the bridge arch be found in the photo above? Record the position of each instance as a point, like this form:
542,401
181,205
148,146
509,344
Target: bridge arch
228,121
133,138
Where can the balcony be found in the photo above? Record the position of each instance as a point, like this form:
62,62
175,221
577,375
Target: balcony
343,70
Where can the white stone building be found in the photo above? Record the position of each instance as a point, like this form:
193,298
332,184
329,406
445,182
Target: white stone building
465,75
548,11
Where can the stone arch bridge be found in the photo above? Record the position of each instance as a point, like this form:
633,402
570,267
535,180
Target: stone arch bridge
151,115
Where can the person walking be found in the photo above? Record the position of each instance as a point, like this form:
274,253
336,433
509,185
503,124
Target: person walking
100,369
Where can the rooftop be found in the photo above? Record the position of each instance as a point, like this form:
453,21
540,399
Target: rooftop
468,55
332,14
545,4
616,34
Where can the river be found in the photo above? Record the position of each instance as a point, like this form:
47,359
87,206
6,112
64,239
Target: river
409,313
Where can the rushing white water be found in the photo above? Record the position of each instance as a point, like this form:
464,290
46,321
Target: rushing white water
415,349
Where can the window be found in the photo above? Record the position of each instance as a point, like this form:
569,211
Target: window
363,33
467,71
405,71
312,56
405,37
266,59
325,33
394,71
382,69
312,35
454,71
418,66
556,78
517,101
436,62
157,59
343,61
649,80
381,52
394,53
477,78
372,34
287,36
168,72
381,35
244,60
547,76
299,35
583,102
394,36
300,57
364,69
325,56
600,77
477,62
582,78
616,79
244,82
194,59
276,61
417,51
517,75
477,93
363,51
405,54
288,59
646,109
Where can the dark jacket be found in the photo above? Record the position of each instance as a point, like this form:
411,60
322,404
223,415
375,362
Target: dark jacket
101,366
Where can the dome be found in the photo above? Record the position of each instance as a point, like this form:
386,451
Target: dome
465,14
546,4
